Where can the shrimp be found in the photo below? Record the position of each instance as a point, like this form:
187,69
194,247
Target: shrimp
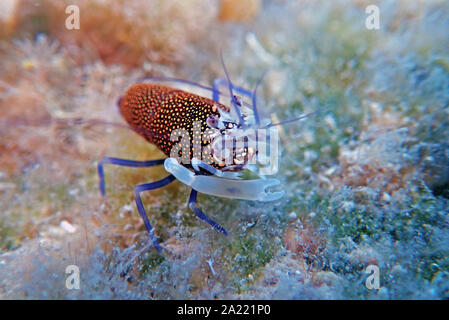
207,143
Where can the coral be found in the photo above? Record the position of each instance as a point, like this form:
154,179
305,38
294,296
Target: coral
246,10
123,32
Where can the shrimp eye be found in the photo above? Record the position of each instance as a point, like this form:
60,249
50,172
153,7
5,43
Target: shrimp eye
212,121
238,101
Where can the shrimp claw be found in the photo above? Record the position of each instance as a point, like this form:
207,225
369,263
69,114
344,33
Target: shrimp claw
225,188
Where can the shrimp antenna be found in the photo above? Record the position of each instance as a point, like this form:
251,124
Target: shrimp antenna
74,121
295,119
192,83
254,98
228,79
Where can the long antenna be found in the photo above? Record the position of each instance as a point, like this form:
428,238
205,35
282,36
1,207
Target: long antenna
295,119
228,79
192,83
75,121
254,98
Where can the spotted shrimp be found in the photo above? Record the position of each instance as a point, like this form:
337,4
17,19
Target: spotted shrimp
156,111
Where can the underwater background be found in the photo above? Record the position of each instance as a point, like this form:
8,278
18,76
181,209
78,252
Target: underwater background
366,181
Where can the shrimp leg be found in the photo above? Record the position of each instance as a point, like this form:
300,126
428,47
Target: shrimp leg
122,162
145,187
201,215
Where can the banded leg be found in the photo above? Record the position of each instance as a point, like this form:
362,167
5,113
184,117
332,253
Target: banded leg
216,84
252,95
145,187
201,215
169,79
223,82
125,163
